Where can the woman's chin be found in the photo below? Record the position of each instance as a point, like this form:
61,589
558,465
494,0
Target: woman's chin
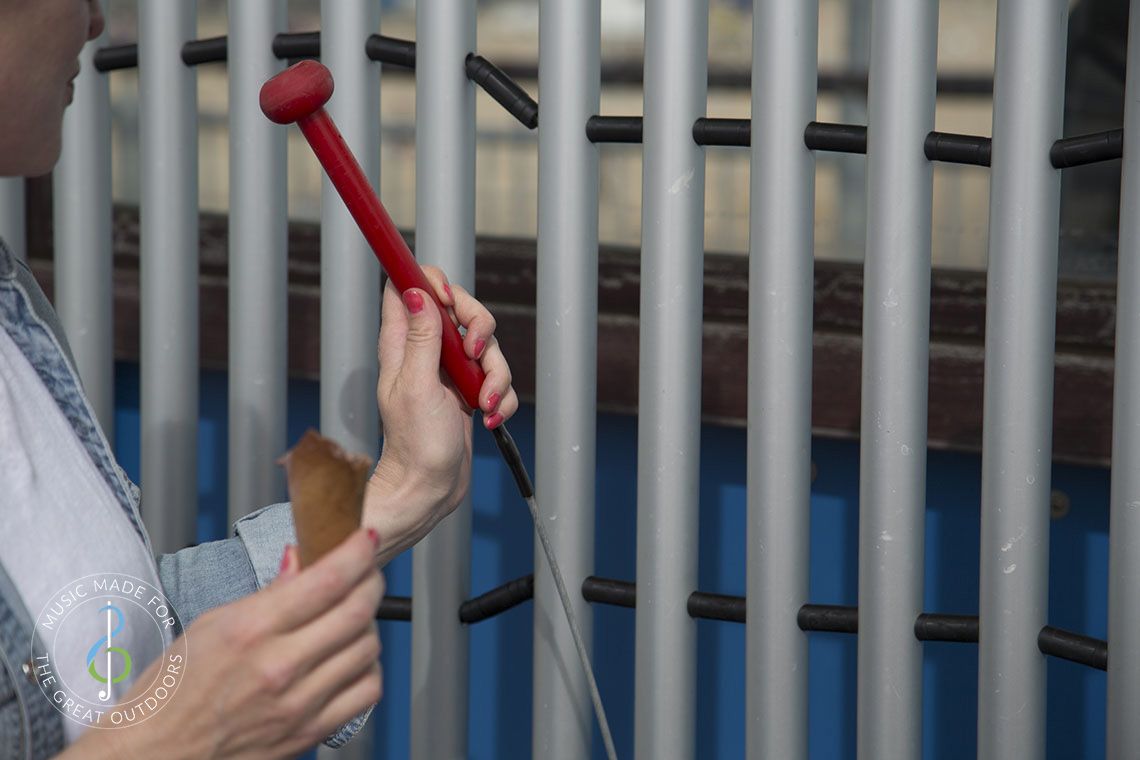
31,163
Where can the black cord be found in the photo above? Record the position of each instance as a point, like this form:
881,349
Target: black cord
513,458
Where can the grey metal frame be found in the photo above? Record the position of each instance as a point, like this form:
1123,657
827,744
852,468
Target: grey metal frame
1021,302
168,230
350,278
896,316
668,425
566,365
445,190
780,286
258,264
81,197
1123,729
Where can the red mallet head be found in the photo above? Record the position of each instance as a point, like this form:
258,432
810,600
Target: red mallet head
297,92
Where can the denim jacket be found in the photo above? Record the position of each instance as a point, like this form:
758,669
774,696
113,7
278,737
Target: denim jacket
195,579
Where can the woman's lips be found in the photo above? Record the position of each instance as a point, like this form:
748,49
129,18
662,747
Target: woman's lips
71,85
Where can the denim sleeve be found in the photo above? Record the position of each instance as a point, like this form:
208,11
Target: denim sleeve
205,576
209,575
202,577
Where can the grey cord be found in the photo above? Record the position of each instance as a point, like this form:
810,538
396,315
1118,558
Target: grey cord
514,461
575,630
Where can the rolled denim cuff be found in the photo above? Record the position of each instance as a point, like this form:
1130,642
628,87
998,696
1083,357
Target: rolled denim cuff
265,534
348,731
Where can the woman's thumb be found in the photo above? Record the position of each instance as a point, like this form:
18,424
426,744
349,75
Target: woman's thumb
425,327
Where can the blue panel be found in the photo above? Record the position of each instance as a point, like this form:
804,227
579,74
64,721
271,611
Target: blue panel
834,580
501,649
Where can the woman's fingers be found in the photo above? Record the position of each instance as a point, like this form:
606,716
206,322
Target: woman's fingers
497,382
311,644
507,407
409,339
337,671
316,589
439,283
478,321
349,702
465,310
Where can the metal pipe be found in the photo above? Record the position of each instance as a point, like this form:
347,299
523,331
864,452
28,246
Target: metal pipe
833,618
258,265
781,219
445,237
668,468
116,57
168,272
1021,302
288,45
727,132
498,600
616,129
81,197
1123,733
780,351
506,92
209,50
946,627
12,212
566,365
959,149
1075,647
609,591
1087,149
841,138
896,332
391,50
350,282
731,609
852,223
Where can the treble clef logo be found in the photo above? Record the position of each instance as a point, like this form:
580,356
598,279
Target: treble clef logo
105,694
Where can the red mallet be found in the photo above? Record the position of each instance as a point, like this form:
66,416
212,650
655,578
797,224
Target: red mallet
299,94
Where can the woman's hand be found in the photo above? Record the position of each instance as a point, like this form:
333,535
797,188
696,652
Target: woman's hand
271,675
425,467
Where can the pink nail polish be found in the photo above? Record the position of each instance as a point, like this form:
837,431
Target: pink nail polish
479,346
414,301
284,560
494,421
450,295
375,538
492,401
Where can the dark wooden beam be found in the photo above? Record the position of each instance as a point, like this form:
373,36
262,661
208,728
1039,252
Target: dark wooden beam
505,281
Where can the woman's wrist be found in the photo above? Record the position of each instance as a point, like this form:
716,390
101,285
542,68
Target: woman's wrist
402,507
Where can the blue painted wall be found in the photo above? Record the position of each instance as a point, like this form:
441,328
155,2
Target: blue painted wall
501,648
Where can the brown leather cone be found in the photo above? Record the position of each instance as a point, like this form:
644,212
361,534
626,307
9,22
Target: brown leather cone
326,486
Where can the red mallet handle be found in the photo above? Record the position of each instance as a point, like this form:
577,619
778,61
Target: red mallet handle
299,94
